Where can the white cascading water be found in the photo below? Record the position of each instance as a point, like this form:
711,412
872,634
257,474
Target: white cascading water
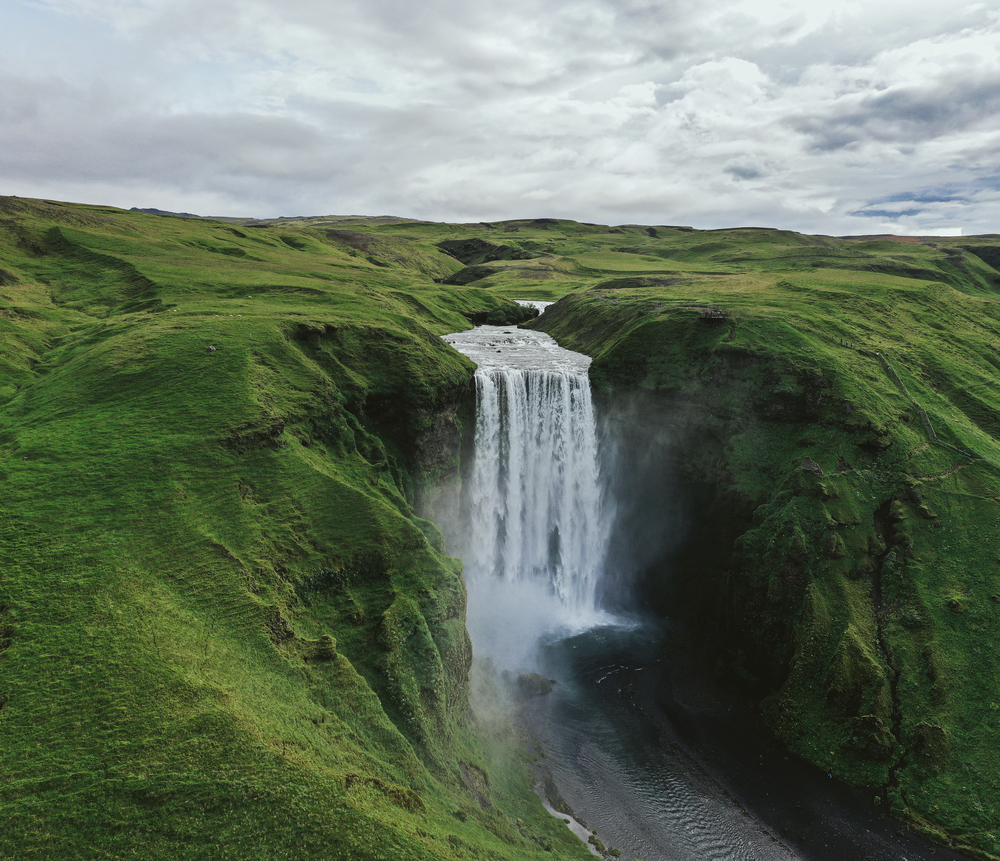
537,533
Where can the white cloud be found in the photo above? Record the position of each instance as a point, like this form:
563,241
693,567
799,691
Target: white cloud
792,114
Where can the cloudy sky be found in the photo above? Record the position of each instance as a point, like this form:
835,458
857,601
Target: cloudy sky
824,116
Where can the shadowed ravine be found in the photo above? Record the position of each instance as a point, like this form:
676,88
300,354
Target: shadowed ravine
643,746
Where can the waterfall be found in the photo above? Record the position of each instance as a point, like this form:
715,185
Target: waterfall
535,495
536,531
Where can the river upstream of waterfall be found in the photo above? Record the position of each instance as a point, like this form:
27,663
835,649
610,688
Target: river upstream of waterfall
639,743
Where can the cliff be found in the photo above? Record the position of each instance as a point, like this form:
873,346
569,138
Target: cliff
834,446
228,630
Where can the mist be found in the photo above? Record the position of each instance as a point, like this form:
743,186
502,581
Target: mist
641,443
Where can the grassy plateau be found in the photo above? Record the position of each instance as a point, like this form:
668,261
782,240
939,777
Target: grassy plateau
227,630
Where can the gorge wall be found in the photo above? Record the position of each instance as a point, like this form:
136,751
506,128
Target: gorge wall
832,550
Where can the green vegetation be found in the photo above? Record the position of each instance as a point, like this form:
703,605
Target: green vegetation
845,419
227,630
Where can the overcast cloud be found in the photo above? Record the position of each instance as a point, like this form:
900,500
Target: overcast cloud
825,117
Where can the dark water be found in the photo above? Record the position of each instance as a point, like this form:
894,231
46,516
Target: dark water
665,766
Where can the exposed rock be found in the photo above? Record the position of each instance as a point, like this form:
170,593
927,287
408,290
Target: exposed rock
478,783
533,685
509,315
278,628
469,274
810,464
475,251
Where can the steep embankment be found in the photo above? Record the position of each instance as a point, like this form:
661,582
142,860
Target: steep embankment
838,433
224,632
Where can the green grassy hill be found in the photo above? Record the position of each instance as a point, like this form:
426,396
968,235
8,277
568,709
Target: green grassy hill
226,632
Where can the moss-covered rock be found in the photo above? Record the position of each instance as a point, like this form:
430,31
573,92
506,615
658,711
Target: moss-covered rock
856,565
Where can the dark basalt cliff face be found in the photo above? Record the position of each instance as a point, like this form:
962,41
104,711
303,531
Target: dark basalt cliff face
787,502
744,572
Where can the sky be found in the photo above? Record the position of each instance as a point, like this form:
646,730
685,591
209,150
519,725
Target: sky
827,116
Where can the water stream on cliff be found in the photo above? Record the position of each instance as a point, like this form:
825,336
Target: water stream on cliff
638,744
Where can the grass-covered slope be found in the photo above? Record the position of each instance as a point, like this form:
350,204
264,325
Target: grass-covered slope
849,418
224,633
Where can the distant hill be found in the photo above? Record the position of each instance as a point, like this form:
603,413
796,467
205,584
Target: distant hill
165,212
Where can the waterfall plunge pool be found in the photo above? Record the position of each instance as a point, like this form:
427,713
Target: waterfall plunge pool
668,765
